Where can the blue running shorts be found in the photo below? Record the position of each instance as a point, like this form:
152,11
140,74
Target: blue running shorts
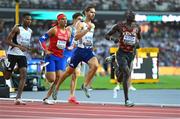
79,55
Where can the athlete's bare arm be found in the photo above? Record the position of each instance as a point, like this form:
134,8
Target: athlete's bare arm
80,32
1,25
69,29
113,30
51,32
139,33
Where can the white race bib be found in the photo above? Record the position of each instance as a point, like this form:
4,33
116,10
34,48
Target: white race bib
129,40
87,43
61,44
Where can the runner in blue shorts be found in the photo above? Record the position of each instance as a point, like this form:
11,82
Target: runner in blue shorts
68,52
84,51
58,37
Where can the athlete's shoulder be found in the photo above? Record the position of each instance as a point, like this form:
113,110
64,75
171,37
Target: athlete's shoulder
69,28
17,25
16,28
135,24
52,31
121,23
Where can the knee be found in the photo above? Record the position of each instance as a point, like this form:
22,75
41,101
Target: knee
6,75
23,75
49,78
74,75
94,67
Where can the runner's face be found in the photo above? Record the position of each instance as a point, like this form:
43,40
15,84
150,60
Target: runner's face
79,18
91,13
27,20
130,16
63,21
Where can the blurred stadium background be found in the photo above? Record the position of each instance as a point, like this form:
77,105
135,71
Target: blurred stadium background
159,20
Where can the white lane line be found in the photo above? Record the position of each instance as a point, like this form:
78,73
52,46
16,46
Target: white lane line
71,114
93,110
19,116
98,107
96,102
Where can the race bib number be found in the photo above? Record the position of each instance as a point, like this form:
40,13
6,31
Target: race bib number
87,43
129,40
61,44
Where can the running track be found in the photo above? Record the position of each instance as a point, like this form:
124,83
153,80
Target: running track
65,110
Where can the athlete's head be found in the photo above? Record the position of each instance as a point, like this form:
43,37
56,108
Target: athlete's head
77,17
26,19
90,12
62,20
130,15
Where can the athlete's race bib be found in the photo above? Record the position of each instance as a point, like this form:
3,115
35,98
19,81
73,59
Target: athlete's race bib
129,40
87,43
61,44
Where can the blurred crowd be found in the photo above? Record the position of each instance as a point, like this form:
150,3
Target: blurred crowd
138,5
165,36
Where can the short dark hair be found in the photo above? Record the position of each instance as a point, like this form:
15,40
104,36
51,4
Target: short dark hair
87,8
129,11
26,14
77,15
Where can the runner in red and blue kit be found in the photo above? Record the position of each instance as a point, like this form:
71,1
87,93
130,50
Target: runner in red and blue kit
58,40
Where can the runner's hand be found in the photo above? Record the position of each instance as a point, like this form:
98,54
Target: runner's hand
23,48
47,52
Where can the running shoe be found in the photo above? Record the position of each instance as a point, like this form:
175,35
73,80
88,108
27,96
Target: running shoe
73,100
85,90
90,89
19,102
115,91
47,102
128,103
109,58
54,92
132,88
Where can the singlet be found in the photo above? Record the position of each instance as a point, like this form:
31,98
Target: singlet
58,42
127,34
23,38
87,39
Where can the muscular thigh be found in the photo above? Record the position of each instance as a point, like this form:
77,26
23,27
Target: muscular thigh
93,61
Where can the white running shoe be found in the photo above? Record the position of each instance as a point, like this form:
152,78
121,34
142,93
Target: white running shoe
132,88
19,102
48,102
115,91
117,87
128,103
